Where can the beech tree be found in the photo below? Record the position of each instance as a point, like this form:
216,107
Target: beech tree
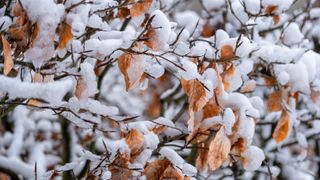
159,89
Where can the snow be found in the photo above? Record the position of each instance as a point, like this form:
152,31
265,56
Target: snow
255,156
228,120
214,5
5,22
292,34
252,6
17,166
52,92
89,78
191,70
187,19
161,25
172,156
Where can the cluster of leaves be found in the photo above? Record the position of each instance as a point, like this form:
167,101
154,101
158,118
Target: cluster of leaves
159,89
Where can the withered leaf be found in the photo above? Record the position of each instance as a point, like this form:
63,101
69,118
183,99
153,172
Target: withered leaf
8,62
196,93
155,169
275,101
65,35
282,128
171,173
135,140
132,68
219,150
140,8
226,52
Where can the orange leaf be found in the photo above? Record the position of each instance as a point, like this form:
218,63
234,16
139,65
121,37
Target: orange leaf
132,68
154,170
271,9
196,93
275,101
8,62
140,8
81,89
208,30
218,150
282,128
276,19
65,35
227,76
226,52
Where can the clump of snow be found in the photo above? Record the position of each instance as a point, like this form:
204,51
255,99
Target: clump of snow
292,34
52,92
254,157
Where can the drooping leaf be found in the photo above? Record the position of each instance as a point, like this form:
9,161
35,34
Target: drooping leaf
8,62
135,142
275,101
196,93
219,150
65,35
202,159
282,128
132,68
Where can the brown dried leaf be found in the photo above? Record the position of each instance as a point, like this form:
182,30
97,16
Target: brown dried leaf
196,93
81,89
119,168
219,150
123,12
154,170
135,140
65,35
226,52
132,68
8,62
271,9
140,8
276,19
275,101
282,128
202,159
208,30
211,109
171,173
227,76
150,39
